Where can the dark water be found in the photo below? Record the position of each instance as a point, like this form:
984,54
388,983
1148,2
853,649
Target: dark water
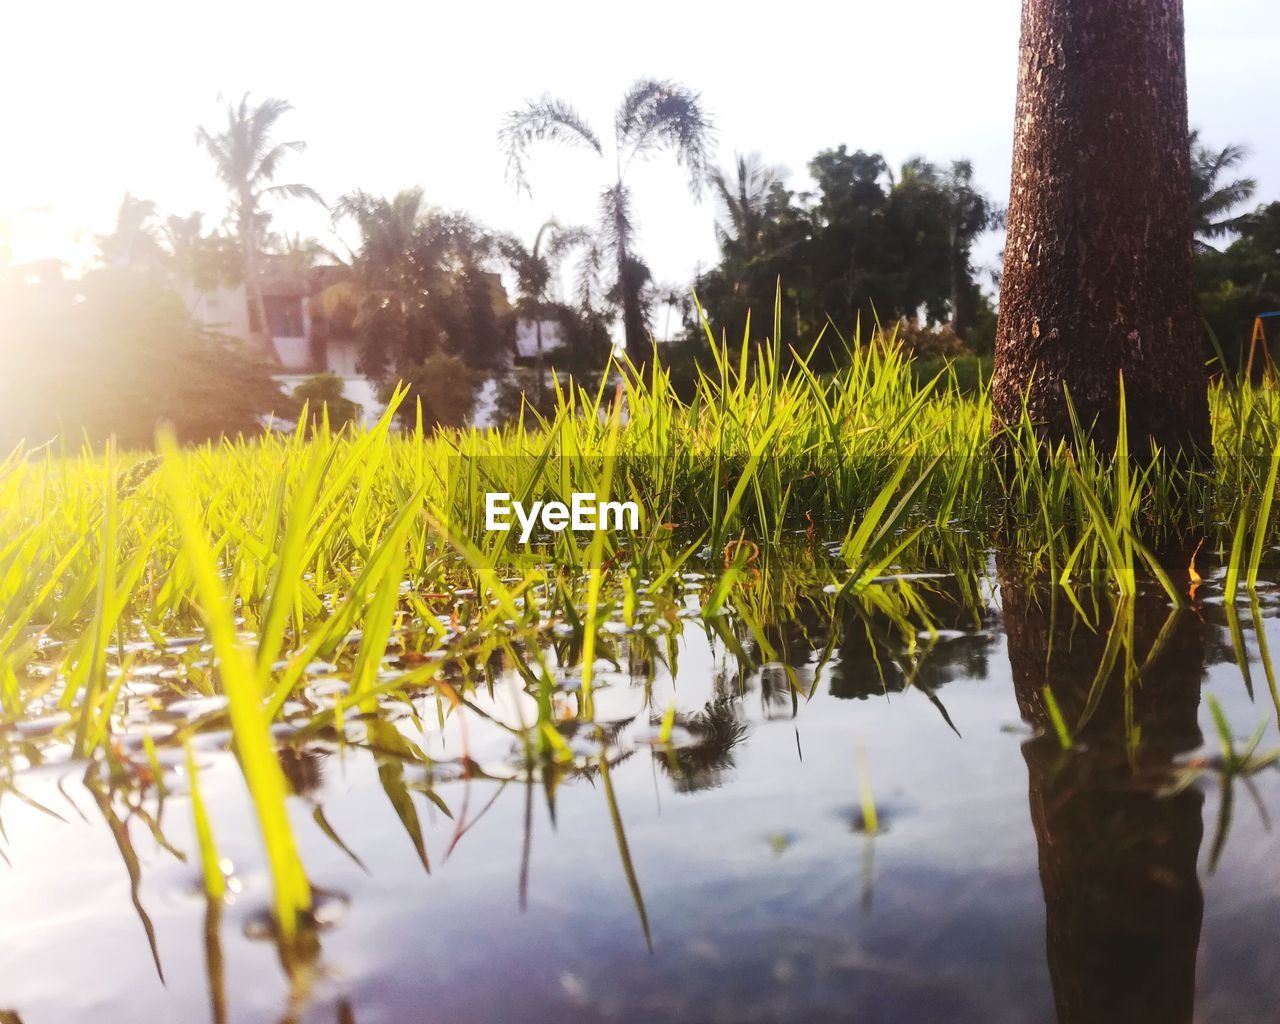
1008,880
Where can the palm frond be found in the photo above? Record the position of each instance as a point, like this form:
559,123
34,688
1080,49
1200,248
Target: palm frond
742,197
564,239
617,228
660,114
917,170
1210,200
590,274
269,161
542,120
512,249
246,159
295,191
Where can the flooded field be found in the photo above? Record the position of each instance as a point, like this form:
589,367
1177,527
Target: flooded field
947,798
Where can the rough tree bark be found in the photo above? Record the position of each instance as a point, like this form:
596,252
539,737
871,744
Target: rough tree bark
1098,276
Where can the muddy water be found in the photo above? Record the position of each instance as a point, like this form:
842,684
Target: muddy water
730,874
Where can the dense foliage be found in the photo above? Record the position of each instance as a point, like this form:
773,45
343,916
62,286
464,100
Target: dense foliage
865,246
322,397
1242,281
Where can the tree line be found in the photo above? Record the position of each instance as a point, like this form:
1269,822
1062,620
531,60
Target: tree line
866,244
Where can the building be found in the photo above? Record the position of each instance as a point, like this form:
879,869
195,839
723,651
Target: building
302,343
528,335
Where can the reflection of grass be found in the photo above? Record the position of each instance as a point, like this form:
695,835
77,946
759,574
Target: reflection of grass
1055,717
1235,764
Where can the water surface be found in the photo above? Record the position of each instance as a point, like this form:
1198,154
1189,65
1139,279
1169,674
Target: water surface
727,875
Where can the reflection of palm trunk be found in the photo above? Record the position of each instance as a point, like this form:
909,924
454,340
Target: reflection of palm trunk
1117,862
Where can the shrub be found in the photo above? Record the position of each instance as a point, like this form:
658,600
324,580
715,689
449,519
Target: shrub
926,341
972,373
324,390
445,386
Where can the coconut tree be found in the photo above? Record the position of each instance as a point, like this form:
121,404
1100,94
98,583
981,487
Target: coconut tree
743,197
419,284
135,241
653,116
394,272
969,212
534,266
205,261
1212,199
246,158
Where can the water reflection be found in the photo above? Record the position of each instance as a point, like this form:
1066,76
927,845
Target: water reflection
701,760
1123,904
619,874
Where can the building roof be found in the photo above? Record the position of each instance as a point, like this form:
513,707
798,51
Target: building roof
283,278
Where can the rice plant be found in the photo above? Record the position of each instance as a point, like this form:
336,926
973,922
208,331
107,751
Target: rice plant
248,562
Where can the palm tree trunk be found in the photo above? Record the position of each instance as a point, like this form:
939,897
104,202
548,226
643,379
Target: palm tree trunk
253,280
959,318
629,286
258,303
632,314
538,367
1098,264
633,324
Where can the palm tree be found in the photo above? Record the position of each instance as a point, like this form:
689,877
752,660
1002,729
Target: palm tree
135,242
743,199
915,171
394,273
533,266
1211,201
204,261
419,283
246,158
969,212
654,115
674,298
298,252
391,236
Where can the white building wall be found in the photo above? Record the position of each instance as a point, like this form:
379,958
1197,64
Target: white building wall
294,354
356,389
527,337
225,310
341,357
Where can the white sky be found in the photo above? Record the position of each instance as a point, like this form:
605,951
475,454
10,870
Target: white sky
102,98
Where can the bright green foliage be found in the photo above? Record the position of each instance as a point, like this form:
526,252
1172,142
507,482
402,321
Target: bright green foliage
244,687
327,546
